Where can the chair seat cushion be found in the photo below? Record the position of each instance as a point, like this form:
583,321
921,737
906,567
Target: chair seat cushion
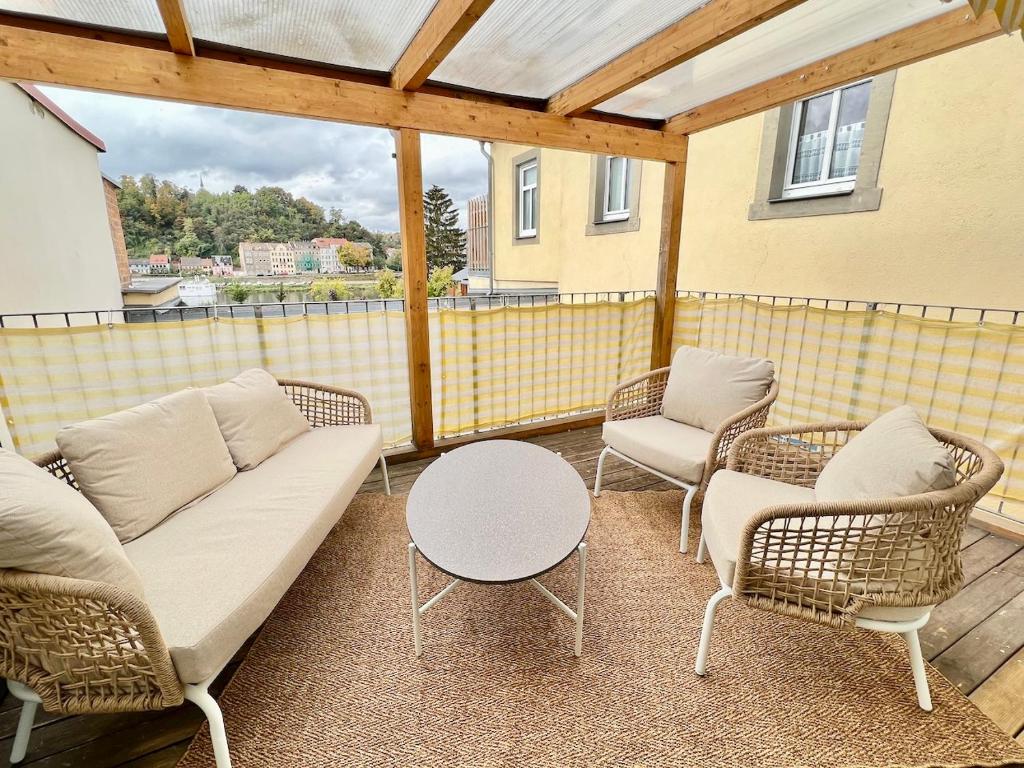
733,498
678,450
139,465
214,571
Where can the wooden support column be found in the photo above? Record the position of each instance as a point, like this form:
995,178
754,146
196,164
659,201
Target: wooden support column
414,278
668,261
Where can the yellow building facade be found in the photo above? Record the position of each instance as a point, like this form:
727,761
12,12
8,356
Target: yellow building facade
939,221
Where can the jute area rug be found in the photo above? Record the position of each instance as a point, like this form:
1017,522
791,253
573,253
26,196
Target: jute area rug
333,681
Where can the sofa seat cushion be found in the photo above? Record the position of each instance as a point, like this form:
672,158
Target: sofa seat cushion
139,465
214,571
48,527
678,450
734,498
255,416
705,388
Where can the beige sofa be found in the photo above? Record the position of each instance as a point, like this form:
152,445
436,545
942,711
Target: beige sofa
211,572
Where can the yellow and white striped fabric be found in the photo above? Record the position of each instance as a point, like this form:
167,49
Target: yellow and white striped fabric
503,366
842,364
50,377
1009,12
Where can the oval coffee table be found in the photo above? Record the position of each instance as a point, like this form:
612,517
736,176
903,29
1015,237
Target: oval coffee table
498,512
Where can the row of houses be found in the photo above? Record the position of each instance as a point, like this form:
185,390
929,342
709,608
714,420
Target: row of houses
317,256
164,264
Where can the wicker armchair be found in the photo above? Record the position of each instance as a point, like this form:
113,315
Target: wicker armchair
81,647
641,397
878,564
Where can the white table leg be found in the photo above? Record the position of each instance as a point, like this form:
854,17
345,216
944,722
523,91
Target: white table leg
580,588
414,589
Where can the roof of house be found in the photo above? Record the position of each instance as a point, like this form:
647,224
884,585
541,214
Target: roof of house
48,104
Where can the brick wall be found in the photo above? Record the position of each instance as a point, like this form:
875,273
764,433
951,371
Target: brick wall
117,233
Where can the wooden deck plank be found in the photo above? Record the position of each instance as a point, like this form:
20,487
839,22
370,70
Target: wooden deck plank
985,554
1001,696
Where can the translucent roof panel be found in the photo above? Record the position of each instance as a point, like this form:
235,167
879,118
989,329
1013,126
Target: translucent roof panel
363,34
811,31
134,15
538,47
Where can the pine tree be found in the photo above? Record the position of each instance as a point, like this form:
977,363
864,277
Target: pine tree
446,243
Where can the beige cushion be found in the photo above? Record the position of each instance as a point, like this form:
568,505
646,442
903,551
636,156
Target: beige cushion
733,499
48,527
705,388
214,571
138,466
895,455
676,449
255,416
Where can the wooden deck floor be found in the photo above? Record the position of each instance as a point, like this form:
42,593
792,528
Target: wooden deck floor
975,639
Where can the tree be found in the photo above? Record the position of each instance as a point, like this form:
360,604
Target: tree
388,285
446,243
280,293
238,292
440,282
394,262
354,255
329,290
189,243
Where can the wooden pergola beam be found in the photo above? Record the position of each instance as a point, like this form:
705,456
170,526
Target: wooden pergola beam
935,36
712,25
414,278
46,57
442,30
179,34
668,262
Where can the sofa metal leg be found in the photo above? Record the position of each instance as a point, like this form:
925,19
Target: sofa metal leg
200,696
29,708
924,696
705,632
600,470
684,533
702,549
384,473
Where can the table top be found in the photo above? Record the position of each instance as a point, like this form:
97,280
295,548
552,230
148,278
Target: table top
498,511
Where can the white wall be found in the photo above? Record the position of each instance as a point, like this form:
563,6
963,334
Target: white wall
56,251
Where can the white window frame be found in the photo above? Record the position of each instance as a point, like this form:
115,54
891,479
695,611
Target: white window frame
521,187
823,185
615,214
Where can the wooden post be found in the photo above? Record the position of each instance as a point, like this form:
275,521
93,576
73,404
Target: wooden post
414,278
668,261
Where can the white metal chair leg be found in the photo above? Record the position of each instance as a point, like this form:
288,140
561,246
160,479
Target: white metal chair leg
24,732
924,696
414,590
200,696
600,470
684,533
384,473
702,549
705,632
581,584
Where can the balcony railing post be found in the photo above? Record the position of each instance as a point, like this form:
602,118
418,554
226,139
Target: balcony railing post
668,261
414,277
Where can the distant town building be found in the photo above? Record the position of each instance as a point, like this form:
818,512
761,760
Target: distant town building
282,259
138,266
195,265
159,264
256,258
327,248
222,266
307,256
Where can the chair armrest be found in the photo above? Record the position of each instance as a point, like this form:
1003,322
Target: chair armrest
793,454
638,397
753,417
326,406
83,646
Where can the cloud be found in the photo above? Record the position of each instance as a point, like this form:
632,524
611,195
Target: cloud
333,164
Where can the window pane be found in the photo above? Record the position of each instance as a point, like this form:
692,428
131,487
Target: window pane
616,197
533,208
811,138
529,175
853,111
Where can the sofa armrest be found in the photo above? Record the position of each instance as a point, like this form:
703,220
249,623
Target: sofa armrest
83,646
791,454
638,397
326,406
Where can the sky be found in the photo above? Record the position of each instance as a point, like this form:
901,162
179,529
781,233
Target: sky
335,165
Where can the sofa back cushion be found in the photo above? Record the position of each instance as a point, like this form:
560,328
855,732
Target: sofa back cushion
705,388
48,527
140,465
895,455
255,416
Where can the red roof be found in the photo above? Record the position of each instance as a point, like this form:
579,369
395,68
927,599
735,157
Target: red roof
47,103
321,242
